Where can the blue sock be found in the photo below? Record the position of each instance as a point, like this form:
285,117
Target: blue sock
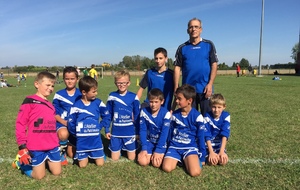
27,169
63,143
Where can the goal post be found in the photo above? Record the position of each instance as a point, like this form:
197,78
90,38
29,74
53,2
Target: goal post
100,71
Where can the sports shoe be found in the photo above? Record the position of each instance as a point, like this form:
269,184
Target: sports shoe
16,164
25,169
63,159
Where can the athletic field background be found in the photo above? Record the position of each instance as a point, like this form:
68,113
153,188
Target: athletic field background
263,147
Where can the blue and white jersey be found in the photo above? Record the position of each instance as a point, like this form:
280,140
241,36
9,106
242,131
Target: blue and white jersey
188,131
216,129
155,128
124,110
83,122
163,81
195,62
62,103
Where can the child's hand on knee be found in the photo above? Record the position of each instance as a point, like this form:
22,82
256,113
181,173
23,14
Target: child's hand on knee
223,158
213,158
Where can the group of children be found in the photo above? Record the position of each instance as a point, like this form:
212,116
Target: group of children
72,124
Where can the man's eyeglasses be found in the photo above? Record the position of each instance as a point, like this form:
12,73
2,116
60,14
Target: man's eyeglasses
121,83
194,27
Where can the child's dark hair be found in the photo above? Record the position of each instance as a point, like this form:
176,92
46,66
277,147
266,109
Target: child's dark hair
70,70
156,93
86,83
161,50
187,91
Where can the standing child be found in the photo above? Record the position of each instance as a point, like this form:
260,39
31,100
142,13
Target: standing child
84,123
62,101
93,73
18,79
85,72
124,107
217,123
36,131
187,134
154,130
159,77
238,69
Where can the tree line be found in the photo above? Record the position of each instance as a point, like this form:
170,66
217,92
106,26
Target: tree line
141,63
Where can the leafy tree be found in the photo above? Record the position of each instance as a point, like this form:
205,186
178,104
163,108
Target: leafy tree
170,64
222,66
244,63
234,65
147,63
295,50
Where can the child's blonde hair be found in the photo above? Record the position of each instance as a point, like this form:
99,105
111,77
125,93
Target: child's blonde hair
122,73
217,99
44,74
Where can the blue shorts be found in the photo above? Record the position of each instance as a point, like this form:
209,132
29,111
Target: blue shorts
40,156
181,154
127,144
59,125
151,147
92,154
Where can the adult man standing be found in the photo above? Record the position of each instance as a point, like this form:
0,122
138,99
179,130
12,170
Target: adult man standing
197,59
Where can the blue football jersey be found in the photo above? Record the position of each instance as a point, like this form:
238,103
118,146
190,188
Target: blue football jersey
163,81
83,122
124,111
216,129
188,131
195,62
155,128
62,103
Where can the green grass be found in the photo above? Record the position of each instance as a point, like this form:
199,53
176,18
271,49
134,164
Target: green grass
263,148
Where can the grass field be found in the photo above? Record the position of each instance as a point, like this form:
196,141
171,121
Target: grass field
263,148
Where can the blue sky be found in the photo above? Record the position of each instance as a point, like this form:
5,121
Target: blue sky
82,32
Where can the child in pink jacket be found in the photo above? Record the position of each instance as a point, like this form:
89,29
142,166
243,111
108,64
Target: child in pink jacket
36,131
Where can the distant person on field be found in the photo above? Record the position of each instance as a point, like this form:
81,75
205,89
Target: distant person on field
78,71
84,123
250,69
85,72
57,75
62,101
276,72
124,108
158,77
186,143
198,61
238,70
4,84
24,76
217,124
154,130
1,75
18,76
243,72
36,131
93,73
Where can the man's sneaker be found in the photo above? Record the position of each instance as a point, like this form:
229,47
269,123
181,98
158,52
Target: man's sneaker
16,164
63,159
